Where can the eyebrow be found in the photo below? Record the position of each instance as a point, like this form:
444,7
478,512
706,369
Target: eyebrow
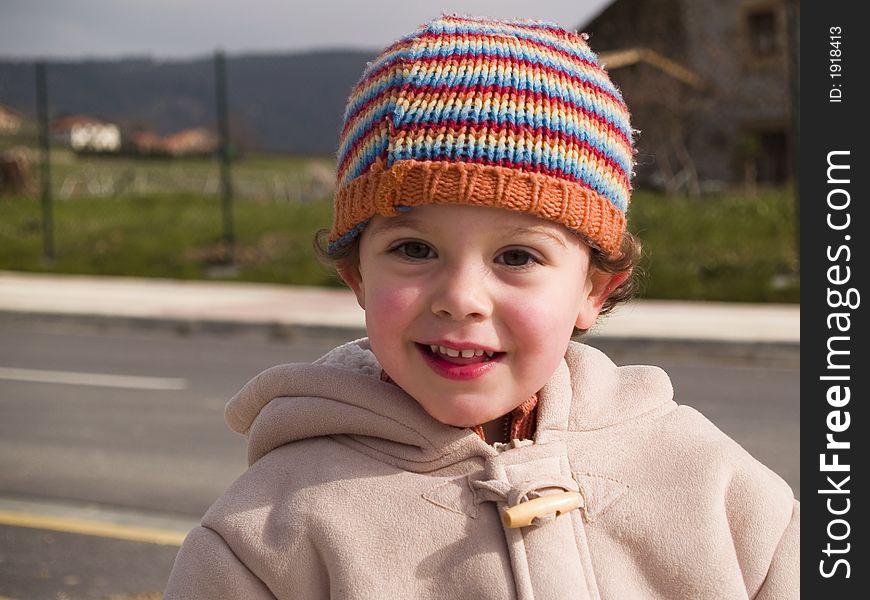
412,222
398,222
536,231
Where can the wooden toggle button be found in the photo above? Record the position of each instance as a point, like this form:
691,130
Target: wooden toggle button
524,513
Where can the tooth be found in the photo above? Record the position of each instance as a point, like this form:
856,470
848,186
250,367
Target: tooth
489,354
467,353
449,352
478,352
433,348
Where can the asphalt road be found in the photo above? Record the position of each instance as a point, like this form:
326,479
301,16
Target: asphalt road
132,422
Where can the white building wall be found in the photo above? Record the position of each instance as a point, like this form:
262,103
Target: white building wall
98,137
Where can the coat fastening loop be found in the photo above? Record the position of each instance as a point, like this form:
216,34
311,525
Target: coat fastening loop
525,513
533,501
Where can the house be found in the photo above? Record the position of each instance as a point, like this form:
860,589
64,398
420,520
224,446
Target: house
86,134
198,141
145,143
10,120
708,83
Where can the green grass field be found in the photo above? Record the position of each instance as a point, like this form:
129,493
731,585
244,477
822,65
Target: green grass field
176,237
725,248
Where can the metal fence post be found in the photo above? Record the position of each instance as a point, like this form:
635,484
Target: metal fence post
224,153
45,163
793,17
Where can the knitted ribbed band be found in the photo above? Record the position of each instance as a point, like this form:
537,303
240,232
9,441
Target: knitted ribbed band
505,114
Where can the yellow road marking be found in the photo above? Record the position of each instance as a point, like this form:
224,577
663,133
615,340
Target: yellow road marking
107,530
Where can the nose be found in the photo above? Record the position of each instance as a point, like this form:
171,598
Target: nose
460,292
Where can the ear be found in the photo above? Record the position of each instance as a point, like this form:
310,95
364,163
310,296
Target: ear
351,276
600,285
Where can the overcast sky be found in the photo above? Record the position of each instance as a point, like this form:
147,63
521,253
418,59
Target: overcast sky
185,28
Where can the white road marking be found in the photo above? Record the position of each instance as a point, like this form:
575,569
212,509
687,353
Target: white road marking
93,379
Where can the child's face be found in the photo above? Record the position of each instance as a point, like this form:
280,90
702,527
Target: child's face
467,278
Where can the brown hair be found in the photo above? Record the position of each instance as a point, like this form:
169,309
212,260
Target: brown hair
629,255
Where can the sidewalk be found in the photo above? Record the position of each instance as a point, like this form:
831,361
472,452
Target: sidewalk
224,307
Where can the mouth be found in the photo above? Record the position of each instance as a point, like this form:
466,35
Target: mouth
460,356
464,363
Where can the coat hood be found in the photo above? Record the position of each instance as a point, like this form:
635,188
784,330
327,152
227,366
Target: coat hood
341,394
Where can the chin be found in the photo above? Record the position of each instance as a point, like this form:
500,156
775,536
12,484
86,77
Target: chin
464,418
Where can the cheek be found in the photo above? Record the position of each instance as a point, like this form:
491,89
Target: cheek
390,313
540,334
540,329
540,324
388,307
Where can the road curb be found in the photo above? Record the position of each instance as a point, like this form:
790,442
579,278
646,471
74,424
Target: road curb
761,352
183,326
770,354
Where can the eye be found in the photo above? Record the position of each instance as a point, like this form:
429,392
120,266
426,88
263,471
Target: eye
516,257
415,250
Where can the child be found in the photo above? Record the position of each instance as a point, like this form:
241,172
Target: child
468,448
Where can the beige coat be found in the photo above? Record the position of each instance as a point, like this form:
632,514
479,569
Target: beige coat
355,492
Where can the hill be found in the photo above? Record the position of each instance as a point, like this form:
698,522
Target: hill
277,102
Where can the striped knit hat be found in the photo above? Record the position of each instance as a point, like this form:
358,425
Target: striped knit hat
506,114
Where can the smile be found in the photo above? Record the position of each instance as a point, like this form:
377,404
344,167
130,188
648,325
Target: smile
459,364
454,353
